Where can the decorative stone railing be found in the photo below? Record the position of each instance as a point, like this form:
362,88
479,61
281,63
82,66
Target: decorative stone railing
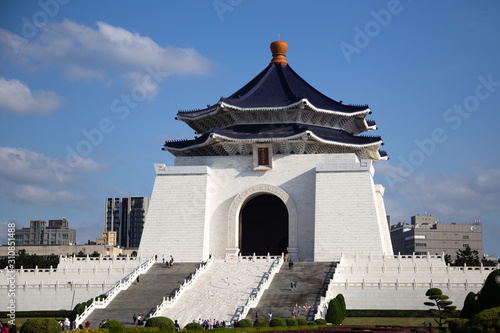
421,264
264,284
80,270
430,268
111,294
169,302
386,257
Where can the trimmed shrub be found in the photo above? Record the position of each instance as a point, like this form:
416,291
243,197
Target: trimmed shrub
164,323
336,310
302,322
470,306
291,322
77,310
277,322
489,297
320,321
333,313
261,322
45,325
485,321
244,323
194,327
457,325
312,323
341,300
114,326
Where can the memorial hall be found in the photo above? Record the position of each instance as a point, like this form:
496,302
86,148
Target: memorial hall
276,167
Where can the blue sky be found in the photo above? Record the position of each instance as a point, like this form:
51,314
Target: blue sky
89,91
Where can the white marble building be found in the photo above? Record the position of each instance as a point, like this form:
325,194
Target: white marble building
278,167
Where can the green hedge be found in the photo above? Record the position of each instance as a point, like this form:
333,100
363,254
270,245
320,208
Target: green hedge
244,323
114,326
391,313
39,325
291,322
277,322
39,314
261,322
312,323
320,321
302,322
194,327
164,323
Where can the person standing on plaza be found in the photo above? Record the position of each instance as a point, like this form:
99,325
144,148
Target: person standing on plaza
67,324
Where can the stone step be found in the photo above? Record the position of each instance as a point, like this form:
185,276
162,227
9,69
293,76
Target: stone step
219,292
143,297
279,299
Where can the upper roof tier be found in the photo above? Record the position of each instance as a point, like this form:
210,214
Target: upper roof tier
276,88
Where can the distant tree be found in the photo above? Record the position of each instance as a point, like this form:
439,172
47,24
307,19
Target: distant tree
467,257
443,307
488,262
447,259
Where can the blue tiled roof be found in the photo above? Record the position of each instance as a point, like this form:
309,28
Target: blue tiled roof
253,132
277,86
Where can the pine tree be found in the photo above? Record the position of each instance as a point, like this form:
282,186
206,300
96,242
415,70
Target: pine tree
443,307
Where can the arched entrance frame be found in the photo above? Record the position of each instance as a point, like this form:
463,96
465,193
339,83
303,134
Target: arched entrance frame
249,193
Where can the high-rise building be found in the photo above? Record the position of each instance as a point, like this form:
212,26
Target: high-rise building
126,217
426,235
58,232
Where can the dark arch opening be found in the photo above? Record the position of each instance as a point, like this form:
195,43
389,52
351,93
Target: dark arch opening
263,226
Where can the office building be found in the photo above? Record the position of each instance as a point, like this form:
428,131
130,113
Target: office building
57,233
126,217
426,234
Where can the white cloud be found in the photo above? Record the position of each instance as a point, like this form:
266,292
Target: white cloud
41,196
87,54
450,197
17,97
29,177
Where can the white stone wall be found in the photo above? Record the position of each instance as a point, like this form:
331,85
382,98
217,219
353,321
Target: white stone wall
400,282
177,222
75,280
349,216
195,205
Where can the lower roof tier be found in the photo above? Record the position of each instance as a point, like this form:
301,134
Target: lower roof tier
285,139
303,112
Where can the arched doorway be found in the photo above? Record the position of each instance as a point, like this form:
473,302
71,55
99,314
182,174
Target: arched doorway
263,226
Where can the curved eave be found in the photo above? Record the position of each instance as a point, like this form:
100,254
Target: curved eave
215,137
303,103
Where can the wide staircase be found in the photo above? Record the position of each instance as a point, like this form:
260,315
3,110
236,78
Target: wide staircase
218,293
312,282
143,297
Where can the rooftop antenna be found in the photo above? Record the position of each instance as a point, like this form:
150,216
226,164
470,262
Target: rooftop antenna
278,36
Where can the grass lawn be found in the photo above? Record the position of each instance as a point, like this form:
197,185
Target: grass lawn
389,321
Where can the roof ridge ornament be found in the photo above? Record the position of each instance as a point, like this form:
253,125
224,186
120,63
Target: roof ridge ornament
279,48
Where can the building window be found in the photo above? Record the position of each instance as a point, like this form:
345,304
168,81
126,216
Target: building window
262,156
65,236
465,245
466,237
421,244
